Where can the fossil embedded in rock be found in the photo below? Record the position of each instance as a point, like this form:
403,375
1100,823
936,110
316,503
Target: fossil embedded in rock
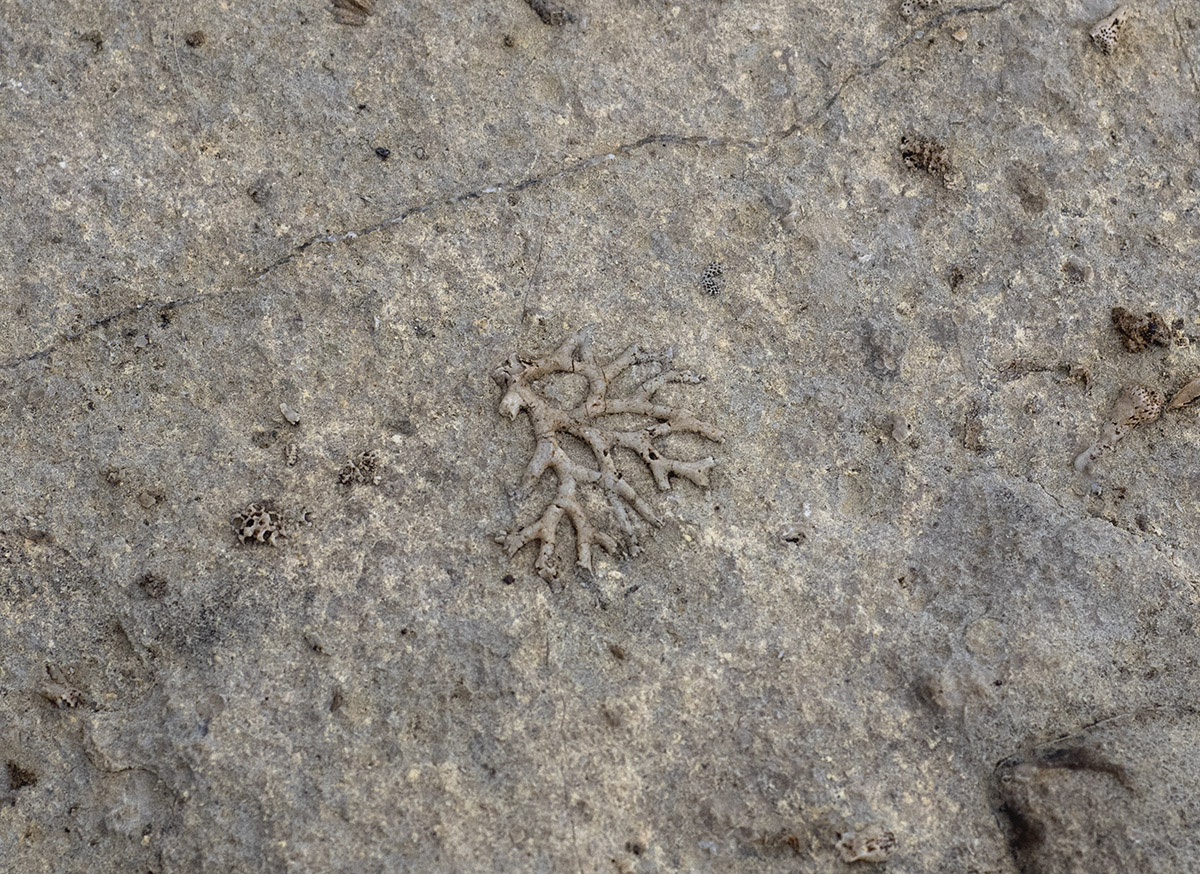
712,280
59,690
262,522
1107,32
352,12
602,424
909,8
1141,332
868,844
362,469
1185,395
926,153
1136,404
259,523
551,13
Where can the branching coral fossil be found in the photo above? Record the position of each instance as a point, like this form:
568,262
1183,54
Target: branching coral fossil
602,424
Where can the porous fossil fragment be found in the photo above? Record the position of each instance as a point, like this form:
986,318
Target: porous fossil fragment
551,13
1135,405
259,523
909,8
868,844
1106,34
1141,332
712,279
59,690
926,153
362,469
601,423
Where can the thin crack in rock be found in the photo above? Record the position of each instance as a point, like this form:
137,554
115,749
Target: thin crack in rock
80,333
892,51
580,166
588,423
621,151
626,149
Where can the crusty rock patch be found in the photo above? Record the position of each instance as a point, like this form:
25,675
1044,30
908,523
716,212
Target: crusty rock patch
926,153
1141,332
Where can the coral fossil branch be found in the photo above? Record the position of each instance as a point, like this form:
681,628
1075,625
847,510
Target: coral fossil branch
586,423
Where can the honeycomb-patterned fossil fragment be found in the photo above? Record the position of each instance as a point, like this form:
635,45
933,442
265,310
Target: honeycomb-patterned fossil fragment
909,8
259,523
712,280
362,469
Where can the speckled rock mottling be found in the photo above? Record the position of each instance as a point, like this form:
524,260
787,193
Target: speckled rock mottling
210,211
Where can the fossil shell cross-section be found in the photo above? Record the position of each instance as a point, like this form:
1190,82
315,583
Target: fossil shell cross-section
635,421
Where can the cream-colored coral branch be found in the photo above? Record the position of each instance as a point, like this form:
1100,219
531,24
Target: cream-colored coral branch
544,530
586,423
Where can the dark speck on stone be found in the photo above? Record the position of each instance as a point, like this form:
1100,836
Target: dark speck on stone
383,153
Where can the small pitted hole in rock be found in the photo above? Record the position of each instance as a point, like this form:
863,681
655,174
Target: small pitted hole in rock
19,778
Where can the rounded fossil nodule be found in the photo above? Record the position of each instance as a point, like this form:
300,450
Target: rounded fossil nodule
1135,405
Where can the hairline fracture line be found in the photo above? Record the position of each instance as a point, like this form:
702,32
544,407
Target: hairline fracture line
580,166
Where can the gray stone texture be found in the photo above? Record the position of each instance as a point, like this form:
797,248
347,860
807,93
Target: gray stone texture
898,608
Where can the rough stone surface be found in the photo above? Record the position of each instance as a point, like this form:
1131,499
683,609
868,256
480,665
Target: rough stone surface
1117,794
213,209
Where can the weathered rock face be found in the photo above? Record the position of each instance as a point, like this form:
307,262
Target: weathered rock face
1121,794
261,264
